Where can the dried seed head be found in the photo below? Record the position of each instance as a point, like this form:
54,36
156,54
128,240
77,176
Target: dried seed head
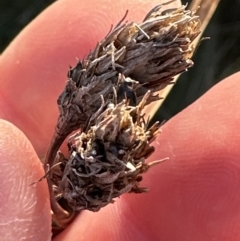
109,159
151,53
104,98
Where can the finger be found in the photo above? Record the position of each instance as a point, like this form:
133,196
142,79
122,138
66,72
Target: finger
34,66
25,209
194,195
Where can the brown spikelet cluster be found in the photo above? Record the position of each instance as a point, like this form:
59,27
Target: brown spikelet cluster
104,97
109,159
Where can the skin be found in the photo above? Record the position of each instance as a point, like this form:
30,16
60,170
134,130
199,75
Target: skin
193,196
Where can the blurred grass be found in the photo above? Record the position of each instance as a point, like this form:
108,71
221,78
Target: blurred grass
15,15
215,59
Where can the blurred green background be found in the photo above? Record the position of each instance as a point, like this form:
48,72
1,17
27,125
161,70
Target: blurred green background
215,59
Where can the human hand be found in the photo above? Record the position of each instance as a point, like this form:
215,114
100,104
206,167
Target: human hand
193,196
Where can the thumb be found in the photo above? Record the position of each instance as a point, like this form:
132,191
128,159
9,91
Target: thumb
25,210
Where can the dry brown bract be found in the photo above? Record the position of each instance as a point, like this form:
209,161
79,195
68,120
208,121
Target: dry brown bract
108,155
